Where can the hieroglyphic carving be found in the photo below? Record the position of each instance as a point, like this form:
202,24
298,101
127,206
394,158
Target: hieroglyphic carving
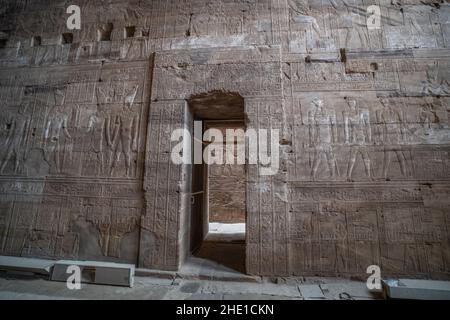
112,228
123,139
232,46
393,137
57,137
357,33
323,134
97,132
358,135
435,84
428,117
300,13
16,143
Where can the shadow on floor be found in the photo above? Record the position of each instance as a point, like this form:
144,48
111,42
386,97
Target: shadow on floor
229,254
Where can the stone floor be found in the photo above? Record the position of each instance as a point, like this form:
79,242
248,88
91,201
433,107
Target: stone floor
224,253
15,287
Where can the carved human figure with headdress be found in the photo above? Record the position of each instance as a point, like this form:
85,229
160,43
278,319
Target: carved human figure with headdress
57,133
18,125
357,134
301,13
323,135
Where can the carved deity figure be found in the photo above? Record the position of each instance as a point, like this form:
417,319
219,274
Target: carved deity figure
105,93
357,18
15,144
393,136
124,137
358,135
56,133
410,18
323,133
97,129
56,136
435,85
302,14
428,116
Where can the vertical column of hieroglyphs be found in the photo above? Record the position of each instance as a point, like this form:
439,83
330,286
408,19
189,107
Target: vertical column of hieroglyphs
266,196
162,183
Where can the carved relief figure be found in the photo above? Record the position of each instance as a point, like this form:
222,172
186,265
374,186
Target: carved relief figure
393,136
358,135
56,135
130,95
323,134
428,116
358,27
97,129
16,141
436,84
198,24
203,22
105,93
410,18
301,14
112,230
124,138
356,18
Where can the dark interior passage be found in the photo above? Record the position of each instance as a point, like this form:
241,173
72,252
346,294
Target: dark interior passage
218,212
229,254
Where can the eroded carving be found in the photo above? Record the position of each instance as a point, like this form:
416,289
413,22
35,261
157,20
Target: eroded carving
393,137
323,134
57,137
122,134
358,135
15,146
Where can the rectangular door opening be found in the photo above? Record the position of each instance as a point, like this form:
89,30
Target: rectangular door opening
218,195
219,207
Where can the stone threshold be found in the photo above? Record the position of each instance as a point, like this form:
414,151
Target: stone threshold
200,269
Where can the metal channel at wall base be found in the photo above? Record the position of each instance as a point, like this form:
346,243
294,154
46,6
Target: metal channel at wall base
95,272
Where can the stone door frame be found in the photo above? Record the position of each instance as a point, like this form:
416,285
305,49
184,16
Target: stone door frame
255,75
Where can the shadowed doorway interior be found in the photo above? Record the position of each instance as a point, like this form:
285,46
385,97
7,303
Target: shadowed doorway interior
218,212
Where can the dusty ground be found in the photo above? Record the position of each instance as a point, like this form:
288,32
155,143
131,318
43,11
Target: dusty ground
14,287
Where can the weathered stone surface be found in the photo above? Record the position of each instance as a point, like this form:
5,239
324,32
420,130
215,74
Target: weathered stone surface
311,291
226,183
87,115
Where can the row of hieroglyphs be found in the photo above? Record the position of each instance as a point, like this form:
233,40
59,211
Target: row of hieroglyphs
389,222
357,234
408,77
70,138
387,127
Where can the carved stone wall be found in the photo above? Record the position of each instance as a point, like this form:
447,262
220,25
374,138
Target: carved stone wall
226,182
72,160
364,117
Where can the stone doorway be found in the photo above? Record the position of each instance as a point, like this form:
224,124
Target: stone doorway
218,212
204,84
